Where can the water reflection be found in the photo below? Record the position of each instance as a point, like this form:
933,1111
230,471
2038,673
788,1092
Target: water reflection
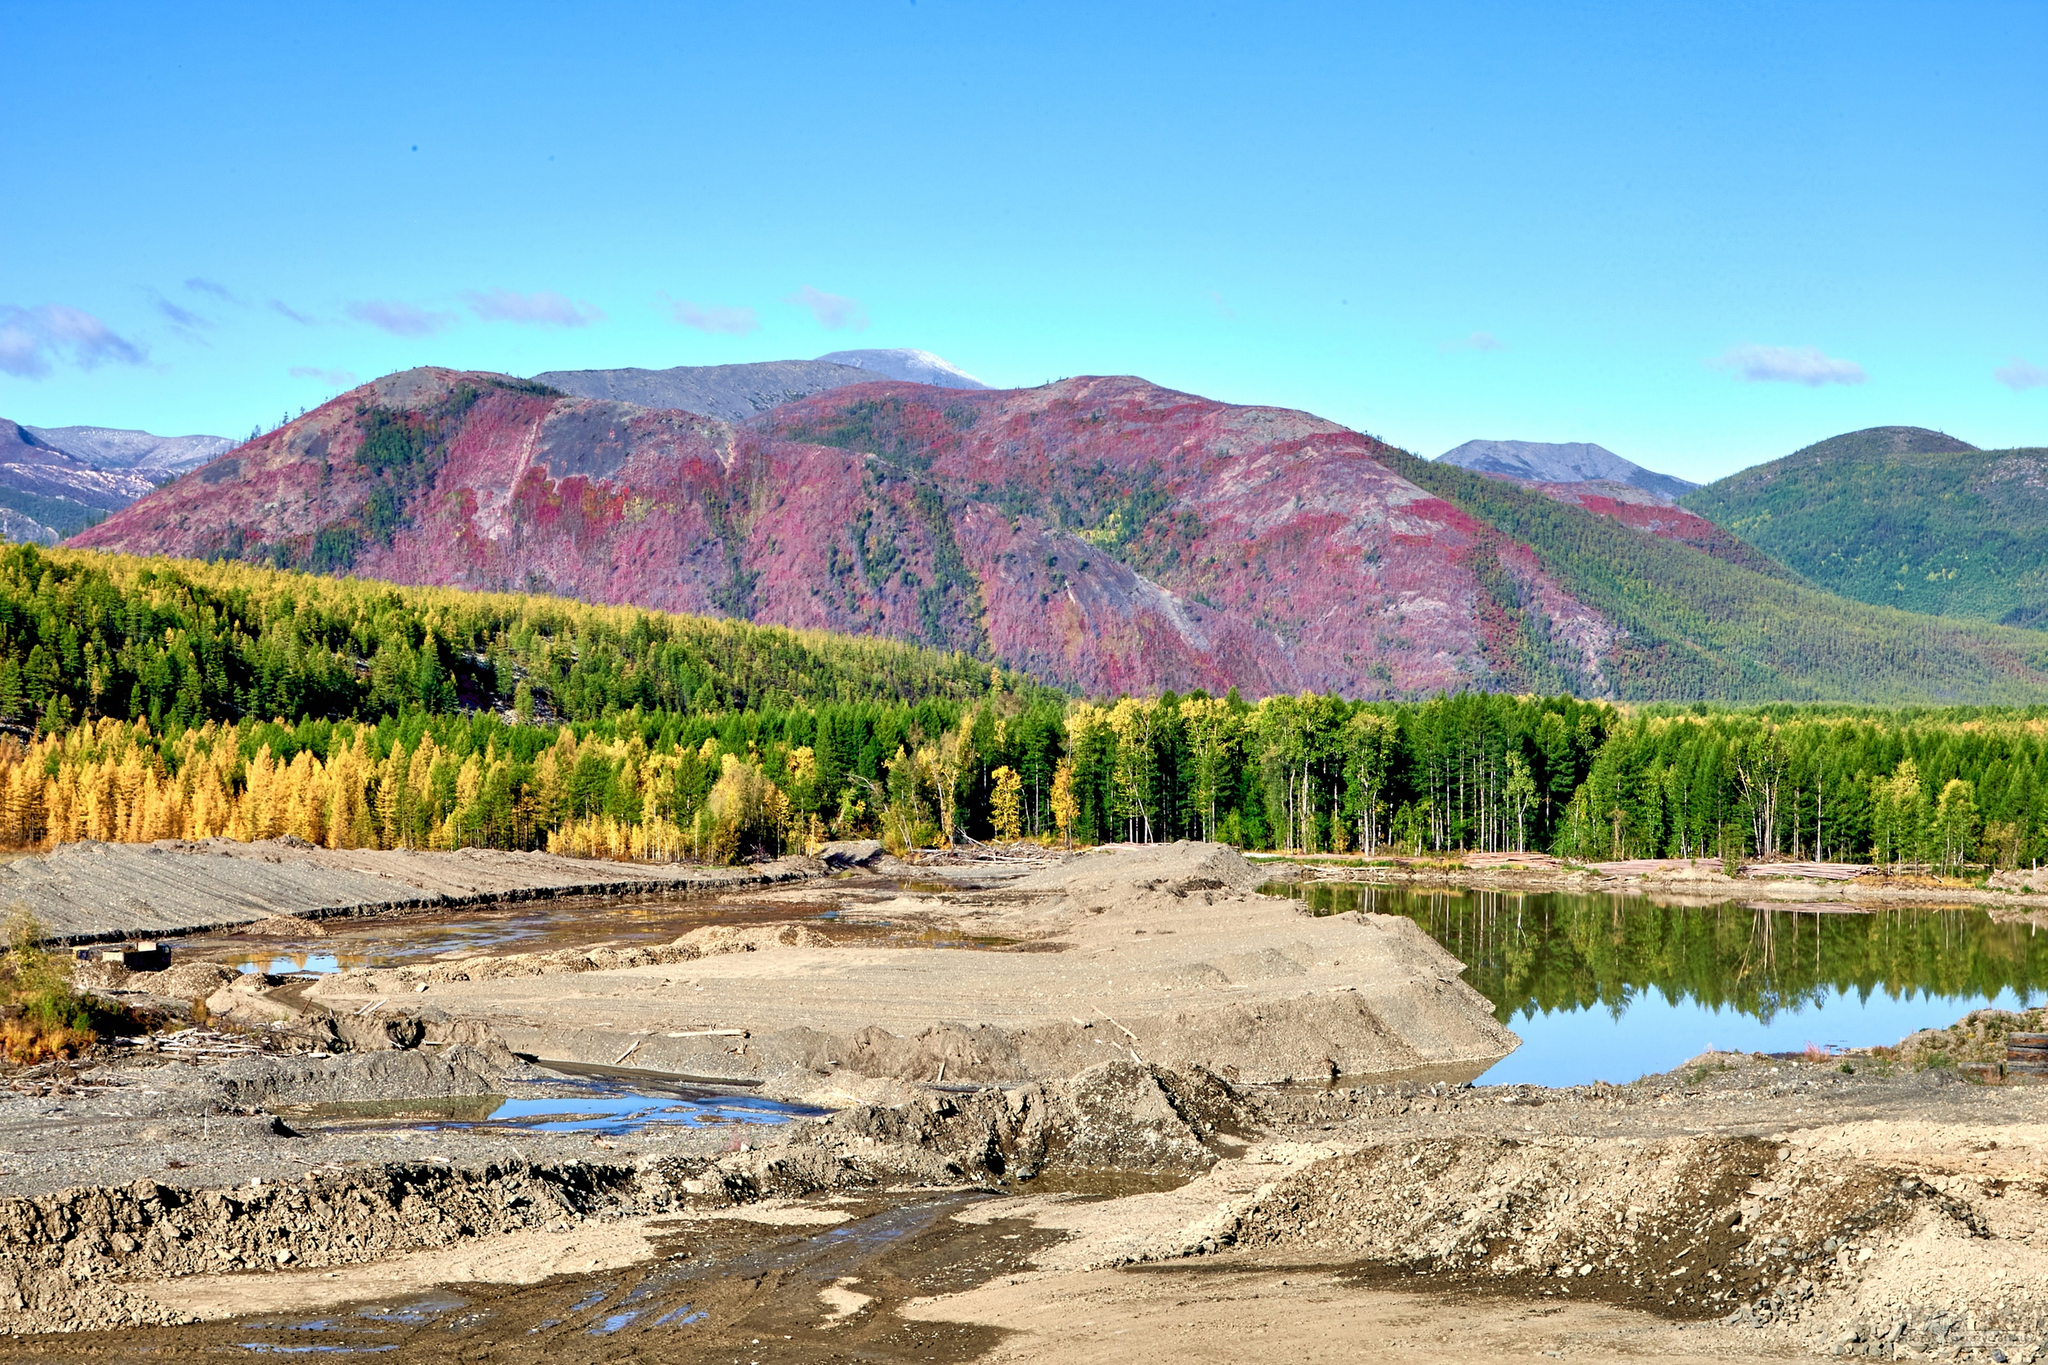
1564,971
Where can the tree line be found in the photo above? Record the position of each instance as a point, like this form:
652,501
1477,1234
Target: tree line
1311,774
149,699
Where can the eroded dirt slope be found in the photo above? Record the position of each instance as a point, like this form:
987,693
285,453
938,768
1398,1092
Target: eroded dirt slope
1157,955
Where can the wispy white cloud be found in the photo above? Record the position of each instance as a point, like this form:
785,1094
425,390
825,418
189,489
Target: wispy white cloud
333,379
544,308
400,319
200,285
33,340
833,311
1807,365
2022,375
1223,310
712,317
1478,341
283,309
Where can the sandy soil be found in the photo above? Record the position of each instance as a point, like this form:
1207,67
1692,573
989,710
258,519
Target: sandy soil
1210,1314
1160,954
1743,1206
91,892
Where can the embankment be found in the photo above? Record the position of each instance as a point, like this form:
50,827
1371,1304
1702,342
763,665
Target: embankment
92,892
1162,954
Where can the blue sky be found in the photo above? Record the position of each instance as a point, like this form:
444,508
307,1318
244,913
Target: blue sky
1700,235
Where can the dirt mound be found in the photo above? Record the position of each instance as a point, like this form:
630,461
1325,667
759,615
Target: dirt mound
408,1074
1119,1116
280,926
183,981
1149,954
1124,1116
58,1252
845,853
710,941
1977,1039
1830,1252
1179,866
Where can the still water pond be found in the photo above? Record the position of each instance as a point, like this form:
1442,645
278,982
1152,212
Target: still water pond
1615,987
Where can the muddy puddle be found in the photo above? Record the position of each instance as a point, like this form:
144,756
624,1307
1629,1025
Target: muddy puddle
285,948
599,1101
714,1290
1610,988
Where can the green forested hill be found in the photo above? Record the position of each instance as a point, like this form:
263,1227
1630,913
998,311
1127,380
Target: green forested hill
85,635
1902,517
1700,628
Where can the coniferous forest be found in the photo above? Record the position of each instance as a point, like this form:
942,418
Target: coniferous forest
148,699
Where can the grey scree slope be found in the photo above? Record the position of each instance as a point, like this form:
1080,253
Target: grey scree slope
89,892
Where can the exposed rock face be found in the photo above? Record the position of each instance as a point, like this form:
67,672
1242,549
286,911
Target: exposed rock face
1104,533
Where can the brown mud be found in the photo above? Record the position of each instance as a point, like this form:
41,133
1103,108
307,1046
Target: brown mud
729,1289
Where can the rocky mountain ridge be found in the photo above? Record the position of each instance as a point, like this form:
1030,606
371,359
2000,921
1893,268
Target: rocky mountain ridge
1545,462
57,480
735,393
1102,533
141,451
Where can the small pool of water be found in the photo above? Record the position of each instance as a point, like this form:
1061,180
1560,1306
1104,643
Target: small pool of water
339,945
1615,987
615,1115
600,1105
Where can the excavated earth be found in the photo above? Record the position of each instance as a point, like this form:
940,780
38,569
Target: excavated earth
1162,954
1117,1109
93,892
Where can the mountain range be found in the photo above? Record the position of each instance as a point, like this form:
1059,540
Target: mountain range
138,451
58,480
1102,533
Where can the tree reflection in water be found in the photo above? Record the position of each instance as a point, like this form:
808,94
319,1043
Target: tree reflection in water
1535,954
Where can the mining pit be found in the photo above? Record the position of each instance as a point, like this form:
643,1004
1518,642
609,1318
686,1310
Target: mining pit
1114,1106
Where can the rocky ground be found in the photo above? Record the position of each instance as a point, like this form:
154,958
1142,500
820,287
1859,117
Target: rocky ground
314,1173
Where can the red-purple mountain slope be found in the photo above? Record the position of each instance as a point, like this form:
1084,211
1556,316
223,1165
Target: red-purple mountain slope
1103,533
